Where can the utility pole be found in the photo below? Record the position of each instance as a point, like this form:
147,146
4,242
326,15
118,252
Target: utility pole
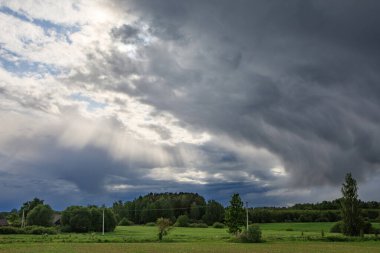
23,218
246,208
103,222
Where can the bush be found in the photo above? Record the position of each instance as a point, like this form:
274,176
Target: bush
38,230
337,227
7,230
126,222
218,225
150,224
367,228
253,234
198,225
182,221
163,225
35,230
65,229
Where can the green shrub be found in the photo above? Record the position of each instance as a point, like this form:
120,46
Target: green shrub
182,221
150,224
7,230
66,229
198,225
218,225
253,234
337,227
38,230
126,222
367,228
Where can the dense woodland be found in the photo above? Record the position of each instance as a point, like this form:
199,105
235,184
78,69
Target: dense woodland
148,208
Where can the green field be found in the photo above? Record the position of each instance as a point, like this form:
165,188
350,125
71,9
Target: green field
278,237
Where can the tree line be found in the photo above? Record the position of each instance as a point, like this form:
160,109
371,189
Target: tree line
185,208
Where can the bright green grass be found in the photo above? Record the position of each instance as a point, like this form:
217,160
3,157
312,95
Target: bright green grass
272,232
143,239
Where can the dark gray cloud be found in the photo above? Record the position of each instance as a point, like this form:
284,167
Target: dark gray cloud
290,84
295,77
126,34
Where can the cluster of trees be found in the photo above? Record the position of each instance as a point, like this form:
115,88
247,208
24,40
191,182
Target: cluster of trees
85,219
35,213
265,215
334,205
152,206
74,218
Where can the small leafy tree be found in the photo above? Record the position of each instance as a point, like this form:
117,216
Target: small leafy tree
41,215
182,221
234,214
163,227
351,213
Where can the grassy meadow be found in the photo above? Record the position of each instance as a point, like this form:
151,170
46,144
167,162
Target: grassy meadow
278,238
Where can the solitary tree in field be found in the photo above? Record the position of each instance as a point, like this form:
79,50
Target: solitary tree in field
234,215
351,214
163,227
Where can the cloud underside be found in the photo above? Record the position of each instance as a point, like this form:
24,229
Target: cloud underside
276,100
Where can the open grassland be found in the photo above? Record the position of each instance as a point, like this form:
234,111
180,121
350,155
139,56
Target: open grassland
278,237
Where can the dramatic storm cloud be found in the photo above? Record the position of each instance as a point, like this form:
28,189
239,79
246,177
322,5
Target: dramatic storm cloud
105,100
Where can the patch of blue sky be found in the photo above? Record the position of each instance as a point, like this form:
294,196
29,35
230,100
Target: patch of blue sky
47,26
92,105
15,64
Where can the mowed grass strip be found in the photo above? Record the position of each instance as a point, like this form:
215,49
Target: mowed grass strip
221,247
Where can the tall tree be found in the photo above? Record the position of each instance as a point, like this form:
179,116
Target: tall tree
41,215
234,215
351,213
29,205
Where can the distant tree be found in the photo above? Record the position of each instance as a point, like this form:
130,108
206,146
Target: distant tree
80,220
41,215
110,221
29,205
351,213
120,210
194,211
234,215
214,212
163,225
84,219
13,218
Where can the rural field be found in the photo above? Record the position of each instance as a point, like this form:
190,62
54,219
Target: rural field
278,238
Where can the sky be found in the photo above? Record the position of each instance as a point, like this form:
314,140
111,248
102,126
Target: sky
104,100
